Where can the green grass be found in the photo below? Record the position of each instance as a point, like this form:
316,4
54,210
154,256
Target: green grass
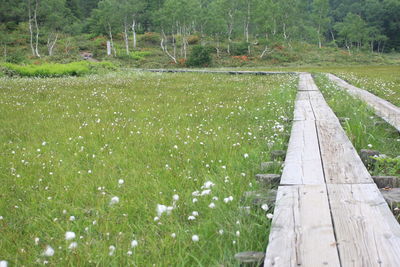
364,129
55,70
66,142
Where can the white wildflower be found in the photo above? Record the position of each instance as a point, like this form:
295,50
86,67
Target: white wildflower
49,251
114,200
134,243
195,238
73,245
69,235
111,249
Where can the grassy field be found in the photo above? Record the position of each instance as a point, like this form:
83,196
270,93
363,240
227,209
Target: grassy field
381,80
136,168
364,129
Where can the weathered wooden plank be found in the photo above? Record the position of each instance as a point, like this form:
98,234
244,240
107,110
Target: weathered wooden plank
383,108
366,231
218,71
303,163
302,232
340,160
303,110
306,82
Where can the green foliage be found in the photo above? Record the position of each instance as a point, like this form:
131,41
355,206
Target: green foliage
200,57
239,49
56,70
390,165
193,39
139,55
151,38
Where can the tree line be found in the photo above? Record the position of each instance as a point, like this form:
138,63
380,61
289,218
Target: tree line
372,24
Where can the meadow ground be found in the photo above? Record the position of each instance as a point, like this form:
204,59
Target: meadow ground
136,168
381,80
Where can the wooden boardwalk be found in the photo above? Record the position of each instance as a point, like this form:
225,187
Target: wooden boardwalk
387,111
328,210
233,72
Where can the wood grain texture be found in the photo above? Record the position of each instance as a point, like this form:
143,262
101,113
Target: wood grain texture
384,109
303,163
302,232
340,160
217,71
306,82
366,231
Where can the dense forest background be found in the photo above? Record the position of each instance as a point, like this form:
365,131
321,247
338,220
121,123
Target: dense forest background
349,24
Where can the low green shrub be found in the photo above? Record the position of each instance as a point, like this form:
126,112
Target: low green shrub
200,57
56,70
138,55
239,49
193,39
151,38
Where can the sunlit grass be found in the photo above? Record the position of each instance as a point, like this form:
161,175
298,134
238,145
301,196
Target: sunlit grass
69,146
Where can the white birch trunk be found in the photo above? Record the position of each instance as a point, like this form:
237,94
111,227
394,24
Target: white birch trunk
37,29
111,40
165,49
108,48
51,43
230,29
134,33
30,28
126,38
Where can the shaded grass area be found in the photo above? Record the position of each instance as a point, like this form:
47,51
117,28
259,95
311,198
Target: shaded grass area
69,145
364,129
55,70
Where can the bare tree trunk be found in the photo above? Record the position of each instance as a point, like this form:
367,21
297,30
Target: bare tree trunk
108,48
265,51
30,28
37,28
319,36
51,43
111,40
134,33
126,38
230,29
246,31
5,52
165,49
333,37
284,31
217,48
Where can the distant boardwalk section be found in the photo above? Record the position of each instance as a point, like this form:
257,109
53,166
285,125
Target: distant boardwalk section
387,111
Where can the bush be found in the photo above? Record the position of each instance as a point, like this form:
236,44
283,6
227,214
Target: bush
56,70
151,38
193,39
138,55
239,49
15,58
200,57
